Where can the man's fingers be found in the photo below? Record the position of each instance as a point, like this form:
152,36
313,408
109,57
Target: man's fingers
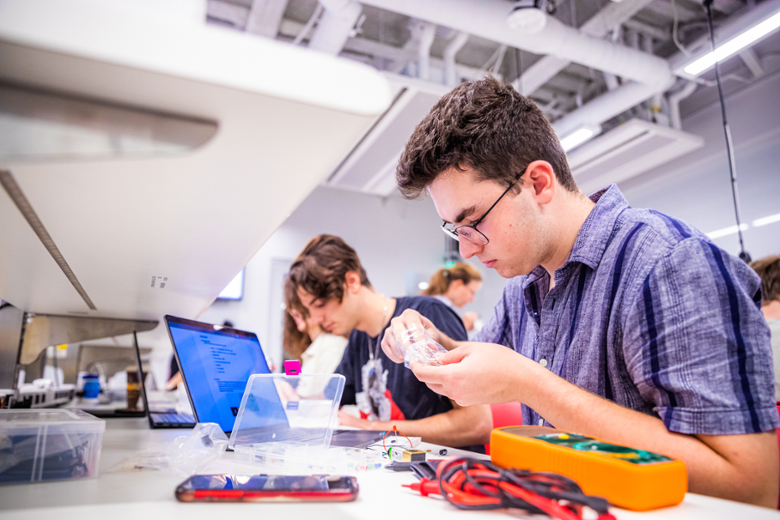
399,326
439,389
432,374
388,346
453,356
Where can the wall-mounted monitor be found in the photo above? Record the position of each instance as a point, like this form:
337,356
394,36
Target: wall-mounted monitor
235,289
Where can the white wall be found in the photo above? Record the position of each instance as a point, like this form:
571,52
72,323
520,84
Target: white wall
697,189
397,240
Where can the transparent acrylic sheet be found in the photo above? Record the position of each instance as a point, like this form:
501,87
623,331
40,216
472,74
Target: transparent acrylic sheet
184,456
301,459
280,408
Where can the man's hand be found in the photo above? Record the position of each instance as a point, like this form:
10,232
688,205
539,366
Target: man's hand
458,427
479,373
406,321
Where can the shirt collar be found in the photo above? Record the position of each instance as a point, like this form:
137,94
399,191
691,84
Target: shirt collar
595,232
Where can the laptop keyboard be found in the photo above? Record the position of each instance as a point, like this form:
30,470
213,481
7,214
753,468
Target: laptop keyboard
173,418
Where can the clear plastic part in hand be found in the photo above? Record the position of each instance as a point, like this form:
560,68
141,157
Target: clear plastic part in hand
415,344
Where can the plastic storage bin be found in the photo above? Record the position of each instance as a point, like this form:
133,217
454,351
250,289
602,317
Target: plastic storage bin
43,445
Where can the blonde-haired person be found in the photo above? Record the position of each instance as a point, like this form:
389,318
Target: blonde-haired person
319,351
456,286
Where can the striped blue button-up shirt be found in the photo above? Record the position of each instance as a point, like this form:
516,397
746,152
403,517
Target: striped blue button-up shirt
649,313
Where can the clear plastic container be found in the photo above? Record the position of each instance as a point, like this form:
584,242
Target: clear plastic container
415,344
280,408
43,445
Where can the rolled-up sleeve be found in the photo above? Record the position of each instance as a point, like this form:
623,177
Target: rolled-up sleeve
697,346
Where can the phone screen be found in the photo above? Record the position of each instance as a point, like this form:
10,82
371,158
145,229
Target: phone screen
267,487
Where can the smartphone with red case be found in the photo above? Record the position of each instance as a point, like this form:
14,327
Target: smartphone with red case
258,488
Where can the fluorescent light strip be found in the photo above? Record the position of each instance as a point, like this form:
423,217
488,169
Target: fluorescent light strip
734,45
576,138
763,221
727,231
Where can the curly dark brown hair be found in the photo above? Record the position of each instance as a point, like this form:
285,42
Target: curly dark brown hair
484,125
321,268
768,269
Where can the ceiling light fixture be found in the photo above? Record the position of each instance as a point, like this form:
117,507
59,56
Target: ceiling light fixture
579,136
742,39
763,221
527,16
731,230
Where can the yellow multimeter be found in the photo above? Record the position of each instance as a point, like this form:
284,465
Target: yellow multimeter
627,477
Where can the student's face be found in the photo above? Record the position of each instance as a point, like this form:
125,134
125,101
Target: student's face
331,315
513,226
461,294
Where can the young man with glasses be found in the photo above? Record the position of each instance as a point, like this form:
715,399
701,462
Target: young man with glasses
333,286
623,324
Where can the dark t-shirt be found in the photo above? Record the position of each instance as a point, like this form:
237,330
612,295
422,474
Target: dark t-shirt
396,394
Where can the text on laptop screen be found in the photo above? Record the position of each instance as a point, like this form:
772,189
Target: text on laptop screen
216,365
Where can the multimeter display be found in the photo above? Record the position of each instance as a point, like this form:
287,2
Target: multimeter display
590,445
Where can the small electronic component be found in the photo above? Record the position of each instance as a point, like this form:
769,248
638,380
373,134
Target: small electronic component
627,477
402,455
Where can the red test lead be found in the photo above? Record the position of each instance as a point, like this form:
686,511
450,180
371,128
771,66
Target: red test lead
473,485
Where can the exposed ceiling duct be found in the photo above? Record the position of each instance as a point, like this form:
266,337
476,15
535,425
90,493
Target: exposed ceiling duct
607,106
611,16
336,25
598,66
487,19
457,43
648,75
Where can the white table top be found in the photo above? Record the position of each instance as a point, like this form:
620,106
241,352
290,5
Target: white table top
144,494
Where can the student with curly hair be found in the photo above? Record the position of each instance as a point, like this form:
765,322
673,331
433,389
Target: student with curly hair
621,323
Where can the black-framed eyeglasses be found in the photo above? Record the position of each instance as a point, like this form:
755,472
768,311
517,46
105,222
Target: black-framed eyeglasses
469,231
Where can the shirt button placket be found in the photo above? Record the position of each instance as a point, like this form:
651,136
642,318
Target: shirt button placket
543,362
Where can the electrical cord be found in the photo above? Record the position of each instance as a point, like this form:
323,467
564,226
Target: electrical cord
478,485
397,433
744,255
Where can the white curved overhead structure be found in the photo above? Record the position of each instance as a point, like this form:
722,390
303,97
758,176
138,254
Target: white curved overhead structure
146,235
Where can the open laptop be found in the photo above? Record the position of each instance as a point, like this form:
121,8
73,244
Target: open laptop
111,360
215,364
159,419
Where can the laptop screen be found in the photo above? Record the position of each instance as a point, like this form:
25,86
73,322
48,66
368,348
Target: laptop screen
215,363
